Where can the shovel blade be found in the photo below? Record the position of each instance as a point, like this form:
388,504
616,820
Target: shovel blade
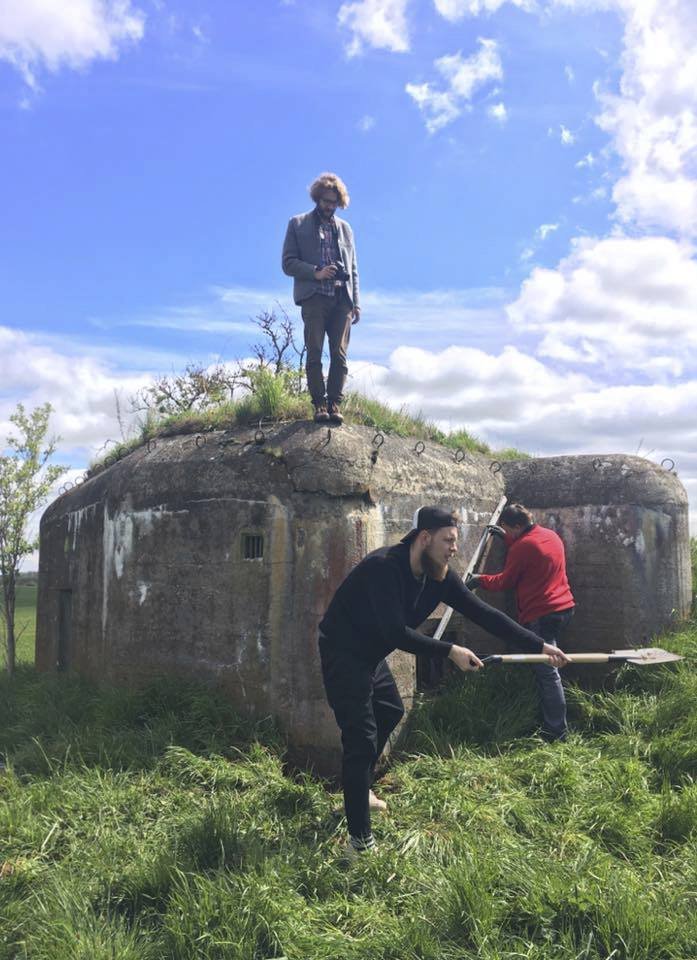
647,655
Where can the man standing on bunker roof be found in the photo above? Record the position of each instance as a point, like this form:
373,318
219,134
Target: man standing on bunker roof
319,253
375,611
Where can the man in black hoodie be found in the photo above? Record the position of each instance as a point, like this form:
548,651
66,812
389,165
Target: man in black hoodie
375,611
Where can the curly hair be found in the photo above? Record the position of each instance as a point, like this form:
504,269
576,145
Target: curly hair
330,181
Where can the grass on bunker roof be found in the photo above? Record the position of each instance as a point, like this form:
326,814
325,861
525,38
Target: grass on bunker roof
276,403
159,824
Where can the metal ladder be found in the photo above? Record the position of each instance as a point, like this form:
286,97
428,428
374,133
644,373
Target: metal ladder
471,566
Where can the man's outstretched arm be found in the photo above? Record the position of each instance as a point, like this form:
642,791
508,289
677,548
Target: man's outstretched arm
497,623
384,597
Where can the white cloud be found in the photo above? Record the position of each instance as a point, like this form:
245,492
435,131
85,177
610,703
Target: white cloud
511,399
80,388
544,230
463,76
622,304
366,123
466,384
587,161
41,34
566,136
375,23
569,73
653,118
454,10
498,112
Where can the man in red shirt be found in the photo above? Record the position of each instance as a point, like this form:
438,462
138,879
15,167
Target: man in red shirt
535,568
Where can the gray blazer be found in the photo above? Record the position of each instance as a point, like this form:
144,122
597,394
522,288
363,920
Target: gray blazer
301,256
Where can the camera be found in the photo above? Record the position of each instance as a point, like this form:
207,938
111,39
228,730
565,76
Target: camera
340,272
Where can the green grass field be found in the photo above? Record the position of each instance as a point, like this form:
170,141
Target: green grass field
25,623
158,824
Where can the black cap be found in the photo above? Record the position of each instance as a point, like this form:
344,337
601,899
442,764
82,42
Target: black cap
430,518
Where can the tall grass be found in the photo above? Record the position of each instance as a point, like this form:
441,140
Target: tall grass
159,824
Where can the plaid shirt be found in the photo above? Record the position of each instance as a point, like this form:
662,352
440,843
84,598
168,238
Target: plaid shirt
328,253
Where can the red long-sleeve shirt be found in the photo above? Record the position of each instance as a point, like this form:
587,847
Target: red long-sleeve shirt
535,568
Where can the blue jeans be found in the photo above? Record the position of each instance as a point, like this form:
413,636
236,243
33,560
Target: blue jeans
549,685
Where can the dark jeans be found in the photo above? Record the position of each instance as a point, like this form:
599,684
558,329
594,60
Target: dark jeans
330,316
549,685
367,707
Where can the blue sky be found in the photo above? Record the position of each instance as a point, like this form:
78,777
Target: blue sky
524,198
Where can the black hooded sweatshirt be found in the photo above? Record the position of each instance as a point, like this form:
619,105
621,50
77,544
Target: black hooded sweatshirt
377,607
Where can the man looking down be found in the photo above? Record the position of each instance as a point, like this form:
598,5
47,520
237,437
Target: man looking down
373,612
535,568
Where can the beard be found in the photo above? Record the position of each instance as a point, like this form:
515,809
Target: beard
432,568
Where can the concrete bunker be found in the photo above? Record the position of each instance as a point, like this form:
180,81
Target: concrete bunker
215,556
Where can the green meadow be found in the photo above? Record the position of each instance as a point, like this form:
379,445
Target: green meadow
25,622
158,824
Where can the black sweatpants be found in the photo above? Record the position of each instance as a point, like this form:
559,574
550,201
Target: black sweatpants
367,707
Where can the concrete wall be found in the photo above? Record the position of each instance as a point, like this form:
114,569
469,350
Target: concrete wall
142,570
624,522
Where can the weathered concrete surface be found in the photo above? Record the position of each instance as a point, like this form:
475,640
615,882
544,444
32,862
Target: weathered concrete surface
147,559
624,523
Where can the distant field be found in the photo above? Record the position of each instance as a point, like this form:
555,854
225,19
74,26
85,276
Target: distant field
25,623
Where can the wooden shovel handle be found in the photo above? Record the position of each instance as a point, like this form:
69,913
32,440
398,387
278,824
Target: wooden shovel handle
543,658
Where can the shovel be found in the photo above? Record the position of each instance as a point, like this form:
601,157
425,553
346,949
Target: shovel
644,657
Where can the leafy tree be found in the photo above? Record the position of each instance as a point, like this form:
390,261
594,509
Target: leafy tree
25,482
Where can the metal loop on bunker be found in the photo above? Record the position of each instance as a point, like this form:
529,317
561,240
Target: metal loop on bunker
79,480
597,463
109,460
68,485
324,443
378,439
151,444
200,440
669,460
259,436
459,455
419,448
495,467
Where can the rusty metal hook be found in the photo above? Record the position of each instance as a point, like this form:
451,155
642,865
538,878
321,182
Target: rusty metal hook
419,447
378,439
324,443
669,460
459,455
495,467
259,435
